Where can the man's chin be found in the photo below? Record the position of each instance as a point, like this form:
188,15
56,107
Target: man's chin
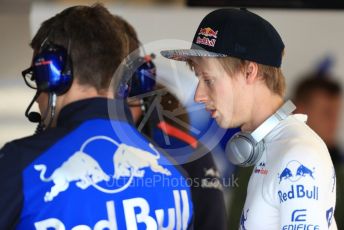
223,124
227,124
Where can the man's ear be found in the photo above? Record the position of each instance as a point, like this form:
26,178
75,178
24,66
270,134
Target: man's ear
251,72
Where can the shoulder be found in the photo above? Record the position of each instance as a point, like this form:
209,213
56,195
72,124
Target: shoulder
305,145
7,152
299,152
22,151
295,140
294,127
306,167
305,154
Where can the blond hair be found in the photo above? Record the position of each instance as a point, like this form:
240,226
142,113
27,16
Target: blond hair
272,76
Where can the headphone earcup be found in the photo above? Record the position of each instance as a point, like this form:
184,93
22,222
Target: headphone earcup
258,152
246,149
123,87
52,69
143,78
66,77
138,77
243,150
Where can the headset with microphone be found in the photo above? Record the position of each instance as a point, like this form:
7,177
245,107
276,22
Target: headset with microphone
51,72
144,78
245,149
138,76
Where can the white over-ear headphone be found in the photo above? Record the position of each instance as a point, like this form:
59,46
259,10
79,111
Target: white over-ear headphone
245,149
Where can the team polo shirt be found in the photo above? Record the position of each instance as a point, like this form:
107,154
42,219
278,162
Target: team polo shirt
293,186
93,171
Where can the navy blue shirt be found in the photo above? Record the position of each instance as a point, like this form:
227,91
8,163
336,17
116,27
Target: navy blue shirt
93,171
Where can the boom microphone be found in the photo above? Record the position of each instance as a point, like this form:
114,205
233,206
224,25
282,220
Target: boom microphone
33,116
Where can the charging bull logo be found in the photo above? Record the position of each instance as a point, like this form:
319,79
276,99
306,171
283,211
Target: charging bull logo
129,161
208,32
285,174
81,168
208,37
294,171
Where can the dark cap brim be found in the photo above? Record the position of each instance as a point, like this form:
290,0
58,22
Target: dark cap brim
185,54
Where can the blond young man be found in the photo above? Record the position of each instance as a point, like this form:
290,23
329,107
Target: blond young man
236,56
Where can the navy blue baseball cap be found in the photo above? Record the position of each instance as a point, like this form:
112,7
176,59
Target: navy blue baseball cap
235,33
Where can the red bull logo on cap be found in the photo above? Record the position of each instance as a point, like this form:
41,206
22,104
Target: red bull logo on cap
207,33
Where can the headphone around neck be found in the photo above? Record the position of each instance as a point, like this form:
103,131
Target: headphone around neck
245,149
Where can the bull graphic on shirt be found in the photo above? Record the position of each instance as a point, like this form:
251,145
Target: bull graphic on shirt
130,161
285,174
294,171
80,167
303,171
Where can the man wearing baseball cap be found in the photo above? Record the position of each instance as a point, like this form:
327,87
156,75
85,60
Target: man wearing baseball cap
236,56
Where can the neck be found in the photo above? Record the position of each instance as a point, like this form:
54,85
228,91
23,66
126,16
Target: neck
78,92
264,105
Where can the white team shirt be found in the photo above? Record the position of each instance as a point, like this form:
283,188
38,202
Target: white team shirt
293,186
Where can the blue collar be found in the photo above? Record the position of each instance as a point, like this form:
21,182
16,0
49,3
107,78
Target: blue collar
94,108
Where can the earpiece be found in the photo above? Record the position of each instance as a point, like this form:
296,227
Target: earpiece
143,79
139,77
51,72
52,69
245,149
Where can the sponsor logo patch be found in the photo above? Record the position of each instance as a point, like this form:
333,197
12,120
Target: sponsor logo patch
207,36
299,221
299,191
208,32
295,172
137,211
260,169
85,171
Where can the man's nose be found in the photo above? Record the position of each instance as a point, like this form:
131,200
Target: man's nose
200,94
